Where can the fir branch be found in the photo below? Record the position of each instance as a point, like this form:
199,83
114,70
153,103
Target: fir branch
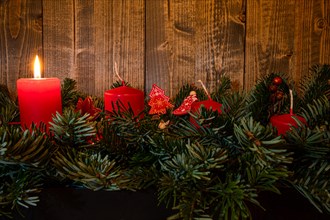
259,141
311,164
26,148
262,105
70,94
317,113
222,89
9,109
19,189
235,107
92,171
315,84
72,129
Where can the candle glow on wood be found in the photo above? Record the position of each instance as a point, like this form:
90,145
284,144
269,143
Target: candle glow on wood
38,98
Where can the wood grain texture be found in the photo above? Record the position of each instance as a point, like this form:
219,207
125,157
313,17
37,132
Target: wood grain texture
128,41
269,38
21,39
312,36
158,51
84,45
58,39
223,41
166,42
193,40
119,38
286,36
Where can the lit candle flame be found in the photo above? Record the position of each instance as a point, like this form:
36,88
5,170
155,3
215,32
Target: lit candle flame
37,73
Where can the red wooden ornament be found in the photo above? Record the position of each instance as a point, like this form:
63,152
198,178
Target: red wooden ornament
185,107
159,102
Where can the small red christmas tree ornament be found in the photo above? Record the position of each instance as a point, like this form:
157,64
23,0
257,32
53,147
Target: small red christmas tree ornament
185,107
284,122
159,102
156,91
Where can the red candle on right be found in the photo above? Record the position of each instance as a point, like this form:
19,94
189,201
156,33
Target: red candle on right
284,122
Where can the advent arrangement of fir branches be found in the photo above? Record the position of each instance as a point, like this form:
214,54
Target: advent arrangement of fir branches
214,170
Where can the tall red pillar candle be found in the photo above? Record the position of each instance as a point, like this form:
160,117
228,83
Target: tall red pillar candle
38,98
127,96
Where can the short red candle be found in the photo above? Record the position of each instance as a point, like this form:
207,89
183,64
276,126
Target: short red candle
208,104
39,99
127,96
283,122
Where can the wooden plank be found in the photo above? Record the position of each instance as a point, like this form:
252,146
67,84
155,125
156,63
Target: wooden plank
223,41
119,27
21,39
129,41
103,46
84,45
193,40
158,52
58,39
312,36
269,38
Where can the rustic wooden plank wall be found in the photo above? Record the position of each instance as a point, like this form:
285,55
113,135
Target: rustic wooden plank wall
166,42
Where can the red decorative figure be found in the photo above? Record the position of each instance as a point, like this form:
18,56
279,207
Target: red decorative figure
185,107
87,106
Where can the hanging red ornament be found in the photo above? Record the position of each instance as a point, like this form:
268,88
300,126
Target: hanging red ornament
277,80
159,102
185,107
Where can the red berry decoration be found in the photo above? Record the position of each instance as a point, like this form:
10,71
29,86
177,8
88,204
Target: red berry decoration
277,81
279,95
272,88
